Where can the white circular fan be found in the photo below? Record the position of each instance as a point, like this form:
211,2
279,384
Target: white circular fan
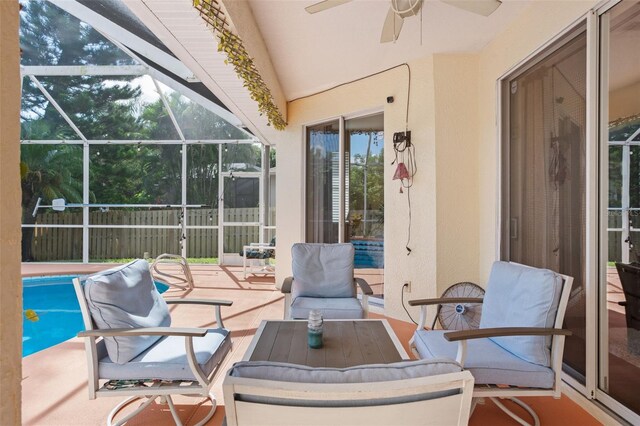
401,9
461,316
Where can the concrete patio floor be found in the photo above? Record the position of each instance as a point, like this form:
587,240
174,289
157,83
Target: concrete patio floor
54,386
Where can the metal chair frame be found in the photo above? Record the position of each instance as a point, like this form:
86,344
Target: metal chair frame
159,389
183,283
494,392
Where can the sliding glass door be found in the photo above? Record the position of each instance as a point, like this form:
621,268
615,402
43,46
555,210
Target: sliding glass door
543,175
619,376
323,220
345,190
570,192
364,143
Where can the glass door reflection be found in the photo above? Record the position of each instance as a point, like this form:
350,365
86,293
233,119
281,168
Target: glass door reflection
364,177
619,375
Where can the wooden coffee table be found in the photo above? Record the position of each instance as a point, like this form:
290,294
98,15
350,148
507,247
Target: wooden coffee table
346,343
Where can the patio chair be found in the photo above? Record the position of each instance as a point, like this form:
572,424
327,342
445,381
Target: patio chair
517,351
630,280
158,270
132,351
261,253
433,392
323,280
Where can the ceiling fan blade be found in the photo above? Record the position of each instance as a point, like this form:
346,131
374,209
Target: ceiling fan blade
481,7
324,5
391,28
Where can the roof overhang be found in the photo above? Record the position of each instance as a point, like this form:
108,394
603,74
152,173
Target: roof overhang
115,21
181,28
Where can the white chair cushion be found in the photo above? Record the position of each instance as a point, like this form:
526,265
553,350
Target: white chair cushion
331,308
284,372
520,296
167,359
322,270
126,297
489,363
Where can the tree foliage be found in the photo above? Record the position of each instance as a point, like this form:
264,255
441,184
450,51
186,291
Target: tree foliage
366,187
113,109
110,108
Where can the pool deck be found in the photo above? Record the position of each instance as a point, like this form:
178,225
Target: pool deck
44,269
54,385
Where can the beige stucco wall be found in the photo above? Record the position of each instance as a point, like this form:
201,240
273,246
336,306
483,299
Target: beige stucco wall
453,118
624,102
542,21
367,95
456,127
10,283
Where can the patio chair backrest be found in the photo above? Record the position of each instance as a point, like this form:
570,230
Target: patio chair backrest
426,392
322,270
125,297
630,281
522,296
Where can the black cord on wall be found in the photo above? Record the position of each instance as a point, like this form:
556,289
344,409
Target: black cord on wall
405,308
356,80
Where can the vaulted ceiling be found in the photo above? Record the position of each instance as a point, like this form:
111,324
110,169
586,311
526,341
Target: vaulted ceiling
298,54
314,52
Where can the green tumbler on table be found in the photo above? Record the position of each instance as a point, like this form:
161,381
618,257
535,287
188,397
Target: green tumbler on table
314,329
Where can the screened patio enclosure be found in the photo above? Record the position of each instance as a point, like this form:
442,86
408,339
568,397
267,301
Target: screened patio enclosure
624,190
145,157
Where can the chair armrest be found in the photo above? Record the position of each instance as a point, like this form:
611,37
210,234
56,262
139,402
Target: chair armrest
482,333
623,303
210,302
145,331
286,285
364,286
441,301
187,333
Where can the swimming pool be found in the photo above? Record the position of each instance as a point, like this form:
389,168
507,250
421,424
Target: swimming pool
57,313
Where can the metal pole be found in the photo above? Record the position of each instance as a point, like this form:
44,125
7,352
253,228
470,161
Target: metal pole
58,108
264,194
165,102
341,183
221,229
85,200
143,206
366,168
184,238
626,237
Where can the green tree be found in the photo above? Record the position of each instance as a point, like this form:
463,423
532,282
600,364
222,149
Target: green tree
374,167
195,122
47,172
49,36
111,109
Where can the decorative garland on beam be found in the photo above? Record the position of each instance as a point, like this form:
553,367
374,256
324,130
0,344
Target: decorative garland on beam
237,55
624,121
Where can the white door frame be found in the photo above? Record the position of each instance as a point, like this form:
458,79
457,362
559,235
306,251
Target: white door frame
587,388
597,151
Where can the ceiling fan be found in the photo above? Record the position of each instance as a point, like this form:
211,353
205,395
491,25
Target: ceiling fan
401,9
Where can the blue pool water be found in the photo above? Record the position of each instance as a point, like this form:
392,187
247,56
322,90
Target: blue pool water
58,314
369,253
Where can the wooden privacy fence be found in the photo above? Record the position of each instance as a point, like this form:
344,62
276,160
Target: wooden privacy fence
56,244
105,242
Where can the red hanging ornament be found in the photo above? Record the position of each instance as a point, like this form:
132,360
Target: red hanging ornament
401,172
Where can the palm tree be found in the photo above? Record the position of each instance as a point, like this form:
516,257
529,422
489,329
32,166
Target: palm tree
47,172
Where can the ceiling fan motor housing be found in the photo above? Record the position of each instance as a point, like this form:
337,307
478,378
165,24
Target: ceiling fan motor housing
406,8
